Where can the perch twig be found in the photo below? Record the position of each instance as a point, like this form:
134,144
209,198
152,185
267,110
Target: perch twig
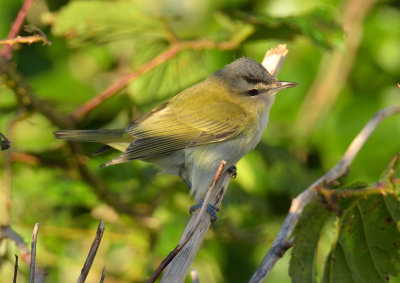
282,241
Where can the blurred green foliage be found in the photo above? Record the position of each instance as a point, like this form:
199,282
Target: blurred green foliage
94,43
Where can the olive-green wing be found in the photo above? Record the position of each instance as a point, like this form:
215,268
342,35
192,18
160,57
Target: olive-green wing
163,131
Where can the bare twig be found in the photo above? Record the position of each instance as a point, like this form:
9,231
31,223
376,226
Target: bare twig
193,229
178,268
92,253
103,274
15,269
6,51
274,58
25,39
32,268
175,48
7,233
374,189
282,240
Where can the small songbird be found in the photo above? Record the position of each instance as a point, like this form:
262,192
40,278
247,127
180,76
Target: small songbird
220,118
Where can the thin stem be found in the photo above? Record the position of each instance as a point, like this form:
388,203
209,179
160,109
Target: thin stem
15,269
6,51
175,48
92,253
32,267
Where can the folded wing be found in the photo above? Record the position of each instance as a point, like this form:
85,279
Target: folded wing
165,129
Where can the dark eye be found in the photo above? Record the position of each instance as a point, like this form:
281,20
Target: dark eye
252,92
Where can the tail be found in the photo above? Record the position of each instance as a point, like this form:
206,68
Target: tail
102,136
118,139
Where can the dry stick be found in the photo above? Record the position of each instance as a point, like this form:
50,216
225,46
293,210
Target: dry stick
103,274
92,253
15,269
7,233
33,254
375,189
191,232
282,241
175,48
6,51
24,39
177,270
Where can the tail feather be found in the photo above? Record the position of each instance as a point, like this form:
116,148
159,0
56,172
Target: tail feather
118,139
102,136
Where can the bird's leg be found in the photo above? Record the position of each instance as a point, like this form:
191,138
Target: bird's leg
232,171
211,209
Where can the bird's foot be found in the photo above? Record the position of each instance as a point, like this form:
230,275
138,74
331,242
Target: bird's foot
233,171
211,209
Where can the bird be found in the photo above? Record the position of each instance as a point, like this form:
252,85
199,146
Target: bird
220,118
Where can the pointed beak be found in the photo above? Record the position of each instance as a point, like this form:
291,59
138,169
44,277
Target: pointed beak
283,85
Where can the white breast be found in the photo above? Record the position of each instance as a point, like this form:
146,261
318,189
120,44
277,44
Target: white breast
202,162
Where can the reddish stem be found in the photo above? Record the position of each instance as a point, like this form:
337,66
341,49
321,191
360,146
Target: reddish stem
6,51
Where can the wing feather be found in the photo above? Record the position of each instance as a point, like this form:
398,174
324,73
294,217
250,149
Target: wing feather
165,130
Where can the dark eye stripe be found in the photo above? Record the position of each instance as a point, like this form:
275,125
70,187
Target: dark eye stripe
251,80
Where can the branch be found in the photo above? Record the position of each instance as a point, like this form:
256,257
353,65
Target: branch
178,268
32,268
6,51
189,235
7,233
282,241
92,254
375,189
25,39
103,274
175,48
15,269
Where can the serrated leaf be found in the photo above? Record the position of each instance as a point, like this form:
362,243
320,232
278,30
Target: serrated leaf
307,234
103,21
319,25
366,248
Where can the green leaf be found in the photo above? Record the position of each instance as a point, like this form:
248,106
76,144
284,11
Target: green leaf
318,25
366,248
84,21
307,234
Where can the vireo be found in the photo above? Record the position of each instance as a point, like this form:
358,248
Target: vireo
220,118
